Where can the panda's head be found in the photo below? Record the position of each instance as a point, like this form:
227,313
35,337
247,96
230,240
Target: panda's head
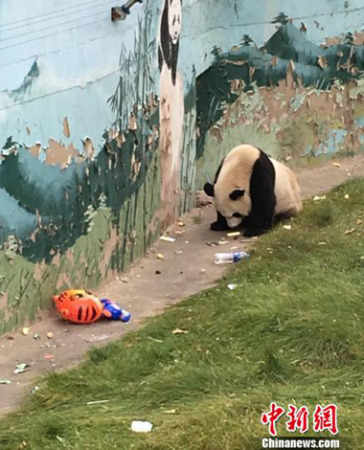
231,202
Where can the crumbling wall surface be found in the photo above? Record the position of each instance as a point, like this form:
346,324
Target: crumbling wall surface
295,90
107,128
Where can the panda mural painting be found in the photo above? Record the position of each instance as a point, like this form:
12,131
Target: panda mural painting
171,107
253,191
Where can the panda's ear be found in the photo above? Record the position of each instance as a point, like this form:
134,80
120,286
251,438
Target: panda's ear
235,195
209,189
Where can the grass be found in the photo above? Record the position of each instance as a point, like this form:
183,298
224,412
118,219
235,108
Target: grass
291,332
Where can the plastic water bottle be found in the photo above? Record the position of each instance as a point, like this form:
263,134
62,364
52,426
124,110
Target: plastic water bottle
113,311
225,258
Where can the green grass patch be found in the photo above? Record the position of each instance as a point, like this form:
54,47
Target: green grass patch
291,332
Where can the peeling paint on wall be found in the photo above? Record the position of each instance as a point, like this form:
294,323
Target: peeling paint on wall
290,97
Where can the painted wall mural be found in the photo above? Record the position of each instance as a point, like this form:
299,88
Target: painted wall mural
171,107
290,96
107,129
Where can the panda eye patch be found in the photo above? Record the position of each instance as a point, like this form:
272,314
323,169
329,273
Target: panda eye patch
237,215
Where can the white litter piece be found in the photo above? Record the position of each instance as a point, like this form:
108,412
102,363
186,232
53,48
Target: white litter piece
97,402
139,426
168,239
232,286
287,227
5,381
234,234
20,368
317,197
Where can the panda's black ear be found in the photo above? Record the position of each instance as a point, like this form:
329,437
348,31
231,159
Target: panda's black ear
209,189
235,195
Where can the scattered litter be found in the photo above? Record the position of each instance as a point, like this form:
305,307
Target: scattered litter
160,256
346,196
10,338
181,224
5,381
158,272
359,221
113,311
36,337
179,232
187,242
20,368
322,243
141,427
97,402
168,239
234,234
178,331
50,335
25,331
102,337
212,244
203,270
170,411
62,441
179,252
224,258
223,242
337,165
156,340
124,280
48,356
35,389
232,286
77,306
351,231
287,227
318,197
233,248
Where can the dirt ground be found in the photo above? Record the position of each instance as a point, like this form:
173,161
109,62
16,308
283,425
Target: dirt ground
187,268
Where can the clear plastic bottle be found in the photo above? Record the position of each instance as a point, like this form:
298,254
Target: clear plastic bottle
226,258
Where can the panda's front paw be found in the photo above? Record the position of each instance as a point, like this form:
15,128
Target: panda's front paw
252,232
219,226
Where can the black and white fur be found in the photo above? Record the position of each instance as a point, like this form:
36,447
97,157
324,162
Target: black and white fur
253,191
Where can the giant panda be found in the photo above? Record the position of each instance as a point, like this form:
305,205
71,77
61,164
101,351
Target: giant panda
253,191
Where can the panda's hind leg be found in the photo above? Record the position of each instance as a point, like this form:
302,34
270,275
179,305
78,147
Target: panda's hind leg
220,224
261,217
